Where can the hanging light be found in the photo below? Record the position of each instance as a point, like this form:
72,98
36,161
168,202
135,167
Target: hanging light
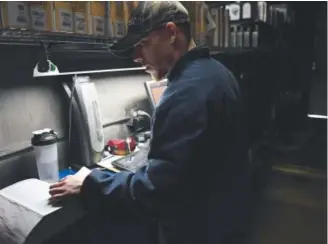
45,67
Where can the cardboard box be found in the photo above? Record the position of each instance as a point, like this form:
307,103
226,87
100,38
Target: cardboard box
80,17
63,16
98,18
15,15
41,15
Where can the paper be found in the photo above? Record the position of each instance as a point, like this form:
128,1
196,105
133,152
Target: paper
22,207
119,28
98,25
107,164
26,215
38,18
66,20
32,194
247,13
83,172
80,23
234,11
18,14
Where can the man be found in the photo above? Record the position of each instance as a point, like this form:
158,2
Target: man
195,183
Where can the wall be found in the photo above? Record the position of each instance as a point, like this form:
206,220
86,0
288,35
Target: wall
117,94
27,104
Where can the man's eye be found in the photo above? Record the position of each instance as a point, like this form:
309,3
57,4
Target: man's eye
139,45
144,43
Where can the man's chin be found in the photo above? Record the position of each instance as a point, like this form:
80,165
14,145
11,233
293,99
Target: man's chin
149,69
154,74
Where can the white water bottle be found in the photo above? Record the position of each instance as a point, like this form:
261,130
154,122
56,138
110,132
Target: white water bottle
45,149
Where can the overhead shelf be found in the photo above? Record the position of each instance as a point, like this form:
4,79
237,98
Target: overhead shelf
248,22
215,4
29,37
238,51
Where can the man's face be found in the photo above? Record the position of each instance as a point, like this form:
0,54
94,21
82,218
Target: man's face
155,52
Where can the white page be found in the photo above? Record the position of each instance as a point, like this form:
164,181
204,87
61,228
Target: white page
32,194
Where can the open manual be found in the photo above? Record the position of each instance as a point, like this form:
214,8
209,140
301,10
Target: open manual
27,216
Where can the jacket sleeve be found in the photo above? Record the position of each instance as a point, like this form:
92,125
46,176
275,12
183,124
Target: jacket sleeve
178,126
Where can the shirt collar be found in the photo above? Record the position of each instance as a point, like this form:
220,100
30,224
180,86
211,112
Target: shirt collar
191,55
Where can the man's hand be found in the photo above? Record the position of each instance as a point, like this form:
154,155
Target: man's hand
69,186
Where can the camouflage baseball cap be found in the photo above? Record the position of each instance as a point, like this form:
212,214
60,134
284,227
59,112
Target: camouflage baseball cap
145,18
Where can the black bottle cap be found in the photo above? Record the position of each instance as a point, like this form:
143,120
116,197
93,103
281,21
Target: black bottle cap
44,137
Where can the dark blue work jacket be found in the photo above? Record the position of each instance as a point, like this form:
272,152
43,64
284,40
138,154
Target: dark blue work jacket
195,183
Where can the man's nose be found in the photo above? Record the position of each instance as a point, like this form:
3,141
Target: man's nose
137,59
137,56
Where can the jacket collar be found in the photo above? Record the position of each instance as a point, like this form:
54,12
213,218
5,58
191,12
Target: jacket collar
191,55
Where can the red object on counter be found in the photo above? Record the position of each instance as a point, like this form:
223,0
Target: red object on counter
120,146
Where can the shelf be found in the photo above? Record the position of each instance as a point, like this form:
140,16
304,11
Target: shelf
246,22
29,37
238,51
216,4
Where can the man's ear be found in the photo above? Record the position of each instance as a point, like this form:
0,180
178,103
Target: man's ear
172,28
172,39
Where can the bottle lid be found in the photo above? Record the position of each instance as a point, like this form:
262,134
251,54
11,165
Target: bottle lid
44,137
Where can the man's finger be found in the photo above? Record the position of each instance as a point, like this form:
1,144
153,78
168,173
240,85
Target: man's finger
57,184
55,191
57,197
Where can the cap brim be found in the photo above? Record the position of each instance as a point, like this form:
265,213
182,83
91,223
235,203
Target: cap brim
124,47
